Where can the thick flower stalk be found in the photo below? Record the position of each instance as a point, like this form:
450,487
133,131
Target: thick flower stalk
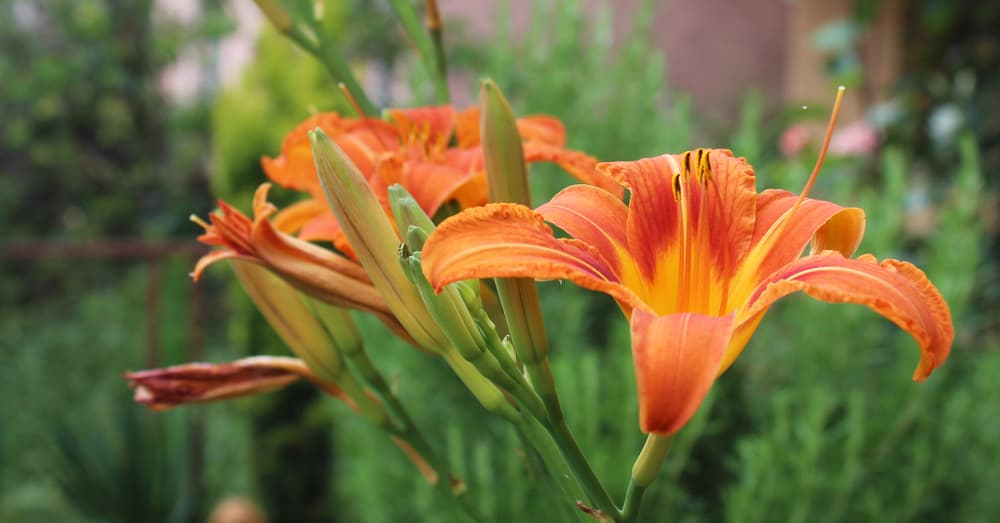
694,260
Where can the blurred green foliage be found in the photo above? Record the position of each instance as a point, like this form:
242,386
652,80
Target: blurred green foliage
809,425
74,447
85,132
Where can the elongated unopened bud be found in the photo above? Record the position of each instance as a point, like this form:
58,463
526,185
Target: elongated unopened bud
407,211
373,239
339,325
417,227
507,177
290,316
506,171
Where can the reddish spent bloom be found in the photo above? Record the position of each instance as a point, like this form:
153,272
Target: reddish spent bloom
191,383
161,389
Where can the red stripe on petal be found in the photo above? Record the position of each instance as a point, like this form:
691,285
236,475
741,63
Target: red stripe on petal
654,225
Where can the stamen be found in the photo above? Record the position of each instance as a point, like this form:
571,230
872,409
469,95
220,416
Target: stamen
676,184
197,219
819,163
687,234
826,145
701,251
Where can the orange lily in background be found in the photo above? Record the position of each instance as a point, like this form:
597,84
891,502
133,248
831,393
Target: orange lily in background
413,151
694,261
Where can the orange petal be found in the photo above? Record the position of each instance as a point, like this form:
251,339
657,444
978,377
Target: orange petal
540,128
677,357
827,225
214,256
433,125
474,192
593,216
297,215
325,228
315,270
709,211
468,160
431,185
731,209
510,241
897,290
362,139
161,389
467,128
364,148
654,219
543,129
579,165
293,169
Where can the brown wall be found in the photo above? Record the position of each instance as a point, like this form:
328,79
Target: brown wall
717,50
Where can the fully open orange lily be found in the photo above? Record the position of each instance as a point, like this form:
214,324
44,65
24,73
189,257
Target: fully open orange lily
694,261
415,151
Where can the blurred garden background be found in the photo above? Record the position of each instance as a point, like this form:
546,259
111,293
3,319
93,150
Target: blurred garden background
122,118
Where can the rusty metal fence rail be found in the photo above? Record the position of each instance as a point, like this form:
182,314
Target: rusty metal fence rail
152,254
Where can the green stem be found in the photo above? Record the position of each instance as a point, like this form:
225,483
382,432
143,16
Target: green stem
444,480
425,47
544,384
368,408
399,423
435,29
392,417
536,434
581,468
633,497
328,54
323,49
644,471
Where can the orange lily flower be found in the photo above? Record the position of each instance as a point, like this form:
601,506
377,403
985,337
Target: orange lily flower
694,261
412,151
318,272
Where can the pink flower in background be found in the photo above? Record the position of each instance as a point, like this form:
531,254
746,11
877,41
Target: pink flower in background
856,139
793,140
